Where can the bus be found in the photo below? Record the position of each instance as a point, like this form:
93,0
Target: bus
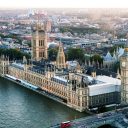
65,124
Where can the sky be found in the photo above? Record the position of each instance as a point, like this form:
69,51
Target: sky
63,3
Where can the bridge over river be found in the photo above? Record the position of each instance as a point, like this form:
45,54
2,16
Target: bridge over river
114,118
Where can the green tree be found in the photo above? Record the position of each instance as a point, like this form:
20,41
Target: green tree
114,48
96,58
76,54
29,43
65,29
79,30
1,35
52,54
14,54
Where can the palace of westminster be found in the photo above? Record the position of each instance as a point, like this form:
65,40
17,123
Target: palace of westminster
76,89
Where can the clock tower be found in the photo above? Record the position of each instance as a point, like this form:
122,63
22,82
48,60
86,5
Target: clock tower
124,75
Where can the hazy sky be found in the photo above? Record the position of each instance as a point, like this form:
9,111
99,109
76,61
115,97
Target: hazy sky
64,3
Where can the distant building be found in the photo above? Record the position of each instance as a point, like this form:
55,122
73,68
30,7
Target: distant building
109,60
48,26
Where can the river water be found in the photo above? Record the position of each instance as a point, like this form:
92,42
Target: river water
23,108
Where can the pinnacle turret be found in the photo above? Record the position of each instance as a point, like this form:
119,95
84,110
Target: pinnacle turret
60,61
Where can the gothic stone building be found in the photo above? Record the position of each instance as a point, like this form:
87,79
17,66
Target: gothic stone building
75,89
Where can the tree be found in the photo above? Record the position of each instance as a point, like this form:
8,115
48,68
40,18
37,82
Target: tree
112,49
29,43
75,54
52,54
1,35
14,54
65,29
96,58
80,30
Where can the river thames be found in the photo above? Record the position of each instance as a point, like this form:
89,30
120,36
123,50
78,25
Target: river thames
23,108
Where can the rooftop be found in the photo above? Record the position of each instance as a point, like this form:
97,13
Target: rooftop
108,79
101,72
18,65
60,78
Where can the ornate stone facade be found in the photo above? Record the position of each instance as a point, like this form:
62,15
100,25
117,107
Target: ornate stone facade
124,76
4,63
60,61
72,86
74,98
39,42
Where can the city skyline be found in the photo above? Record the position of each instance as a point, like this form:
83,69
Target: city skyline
64,4
72,52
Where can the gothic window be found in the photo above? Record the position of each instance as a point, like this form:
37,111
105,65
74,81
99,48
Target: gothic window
42,42
43,54
39,42
40,54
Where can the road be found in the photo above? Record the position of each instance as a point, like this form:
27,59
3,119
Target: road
117,117
96,120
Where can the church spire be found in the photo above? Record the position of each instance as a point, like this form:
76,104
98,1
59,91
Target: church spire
60,61
118,74
24,60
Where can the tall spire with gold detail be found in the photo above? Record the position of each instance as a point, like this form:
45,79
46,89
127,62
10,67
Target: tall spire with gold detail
60,61
124,75
39,41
